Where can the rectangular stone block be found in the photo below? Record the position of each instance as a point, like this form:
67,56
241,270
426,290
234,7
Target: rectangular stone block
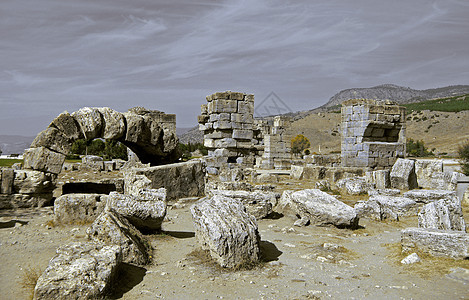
242,118
224,106
219,134
244,145
245,107
222,125
236,96
225,143
249,97
43,159
454,244
209,143
7,180
242,134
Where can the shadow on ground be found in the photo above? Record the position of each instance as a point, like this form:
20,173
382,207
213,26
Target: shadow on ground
269,252
128,277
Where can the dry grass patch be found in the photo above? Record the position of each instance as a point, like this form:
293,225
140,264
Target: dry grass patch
428,267
29,279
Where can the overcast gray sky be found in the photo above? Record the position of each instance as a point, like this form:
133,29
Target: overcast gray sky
58,55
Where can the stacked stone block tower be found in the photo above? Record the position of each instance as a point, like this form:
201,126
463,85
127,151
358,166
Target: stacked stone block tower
227,122
277,143
373,133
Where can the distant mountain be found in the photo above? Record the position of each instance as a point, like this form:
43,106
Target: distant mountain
396,93
14,144
192,135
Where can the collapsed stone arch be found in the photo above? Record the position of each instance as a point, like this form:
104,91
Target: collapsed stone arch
150,134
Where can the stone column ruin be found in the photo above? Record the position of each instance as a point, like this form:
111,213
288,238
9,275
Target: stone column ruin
227,122
277,143
373,133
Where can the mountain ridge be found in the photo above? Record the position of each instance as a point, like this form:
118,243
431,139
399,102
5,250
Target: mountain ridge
399,94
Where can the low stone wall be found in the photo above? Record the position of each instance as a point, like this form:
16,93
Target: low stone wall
181,180
25,188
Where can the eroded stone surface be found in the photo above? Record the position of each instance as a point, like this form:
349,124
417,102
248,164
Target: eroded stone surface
112,229
79,271
454,244
223,227
78,208
323,209
145,210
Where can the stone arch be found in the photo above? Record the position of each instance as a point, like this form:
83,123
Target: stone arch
150,134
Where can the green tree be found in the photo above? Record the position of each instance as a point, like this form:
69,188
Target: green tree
115,149
299,144
417,149
463,152
108,149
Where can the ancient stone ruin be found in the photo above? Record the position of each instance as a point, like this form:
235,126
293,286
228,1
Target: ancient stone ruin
373,133
227,123
277,137
150,134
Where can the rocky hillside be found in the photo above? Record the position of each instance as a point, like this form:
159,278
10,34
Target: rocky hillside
397,93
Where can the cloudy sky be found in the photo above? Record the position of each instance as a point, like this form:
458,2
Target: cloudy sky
58,55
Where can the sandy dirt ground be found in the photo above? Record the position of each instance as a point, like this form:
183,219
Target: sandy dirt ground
354,264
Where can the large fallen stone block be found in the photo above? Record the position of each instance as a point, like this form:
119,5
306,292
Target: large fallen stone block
380,179
381,207
353,185
79,271
145,210
297,172
454,244
112,229
181,180
444,214
90,121
53,139
223,227
78,208
323,209
257,203
425,169
403,174
43,159
8,201
33,182
427,196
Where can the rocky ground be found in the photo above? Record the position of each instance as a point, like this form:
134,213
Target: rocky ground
298,262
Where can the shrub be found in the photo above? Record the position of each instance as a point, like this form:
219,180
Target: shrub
463,152
299,144
417,149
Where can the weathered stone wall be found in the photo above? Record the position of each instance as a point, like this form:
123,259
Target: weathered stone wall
277,143
227,122
373,133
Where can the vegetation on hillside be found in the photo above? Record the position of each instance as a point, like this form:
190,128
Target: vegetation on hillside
417,149
448,104
187,149
463,152
107,149
299,144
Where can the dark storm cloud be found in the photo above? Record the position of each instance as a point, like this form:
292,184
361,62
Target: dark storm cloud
58,55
